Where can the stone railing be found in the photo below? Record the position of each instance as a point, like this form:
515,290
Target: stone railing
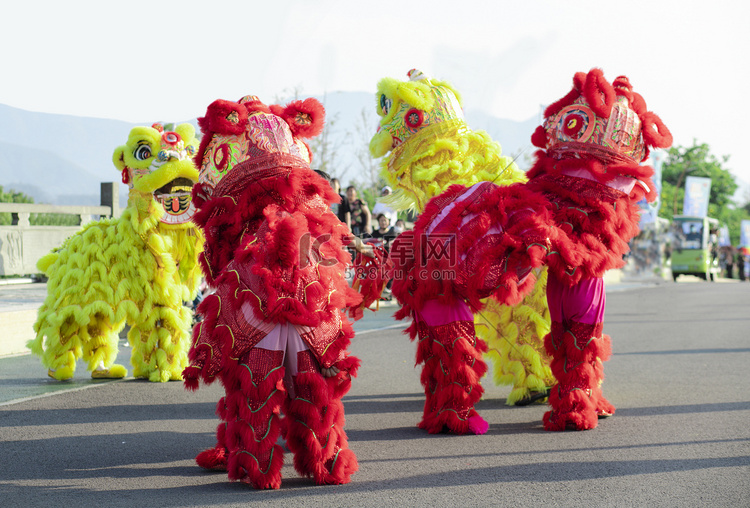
21,244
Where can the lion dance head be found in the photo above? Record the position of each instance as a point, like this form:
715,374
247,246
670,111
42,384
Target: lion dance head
604,128
247,138
428,144
252,155
158,168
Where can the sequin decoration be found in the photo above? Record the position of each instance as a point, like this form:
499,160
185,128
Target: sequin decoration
578,128
265,134
408,120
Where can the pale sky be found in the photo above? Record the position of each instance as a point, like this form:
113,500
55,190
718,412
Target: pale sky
142,61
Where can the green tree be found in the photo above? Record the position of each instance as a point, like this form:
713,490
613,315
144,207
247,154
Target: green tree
35,219
53,219
733,218
367,194
697,160
11,196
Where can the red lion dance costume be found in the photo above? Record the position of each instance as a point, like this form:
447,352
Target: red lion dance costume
593,141
576,215
273,331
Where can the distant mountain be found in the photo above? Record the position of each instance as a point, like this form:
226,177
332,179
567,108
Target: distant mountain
45,175
56,157
514,137
62,159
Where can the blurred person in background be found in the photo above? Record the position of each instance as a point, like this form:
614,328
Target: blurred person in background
358,217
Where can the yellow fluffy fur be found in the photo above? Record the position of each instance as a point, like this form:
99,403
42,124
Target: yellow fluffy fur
135,269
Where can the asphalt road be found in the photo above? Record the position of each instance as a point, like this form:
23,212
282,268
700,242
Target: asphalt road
679,376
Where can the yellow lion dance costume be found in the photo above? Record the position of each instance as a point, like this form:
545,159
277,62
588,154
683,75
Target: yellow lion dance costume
431,148
138,269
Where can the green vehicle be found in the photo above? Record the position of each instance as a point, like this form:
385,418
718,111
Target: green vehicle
694,247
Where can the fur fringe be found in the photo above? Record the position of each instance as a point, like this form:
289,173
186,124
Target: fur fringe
498,235
213,459
515,341
279,250
593,223
453,367
577,351
250,409
315,431
114,271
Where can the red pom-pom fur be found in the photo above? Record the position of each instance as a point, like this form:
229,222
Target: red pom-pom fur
305,118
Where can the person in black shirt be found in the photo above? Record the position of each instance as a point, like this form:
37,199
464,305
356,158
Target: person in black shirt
385,231
339,209
387,234
357,213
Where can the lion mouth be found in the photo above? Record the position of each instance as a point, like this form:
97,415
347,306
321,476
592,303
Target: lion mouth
176,198
178,185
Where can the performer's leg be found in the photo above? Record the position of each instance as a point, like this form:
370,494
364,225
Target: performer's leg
578,348
255,392
515,339
216,457
160,343
604,408
58,344
430,370
453,365
575,348
61,351
171,353
100,346
314,418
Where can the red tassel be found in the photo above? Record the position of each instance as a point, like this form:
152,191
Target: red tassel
191,377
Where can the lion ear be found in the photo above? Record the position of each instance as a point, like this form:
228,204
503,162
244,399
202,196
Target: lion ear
305,118
186,132
415,94
224,117
118,158
579,80
539,138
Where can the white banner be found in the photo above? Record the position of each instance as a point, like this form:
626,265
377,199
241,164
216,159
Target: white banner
697,192
745,233
724,240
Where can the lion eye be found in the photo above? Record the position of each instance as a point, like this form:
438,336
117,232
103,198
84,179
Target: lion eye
142,153
385,104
